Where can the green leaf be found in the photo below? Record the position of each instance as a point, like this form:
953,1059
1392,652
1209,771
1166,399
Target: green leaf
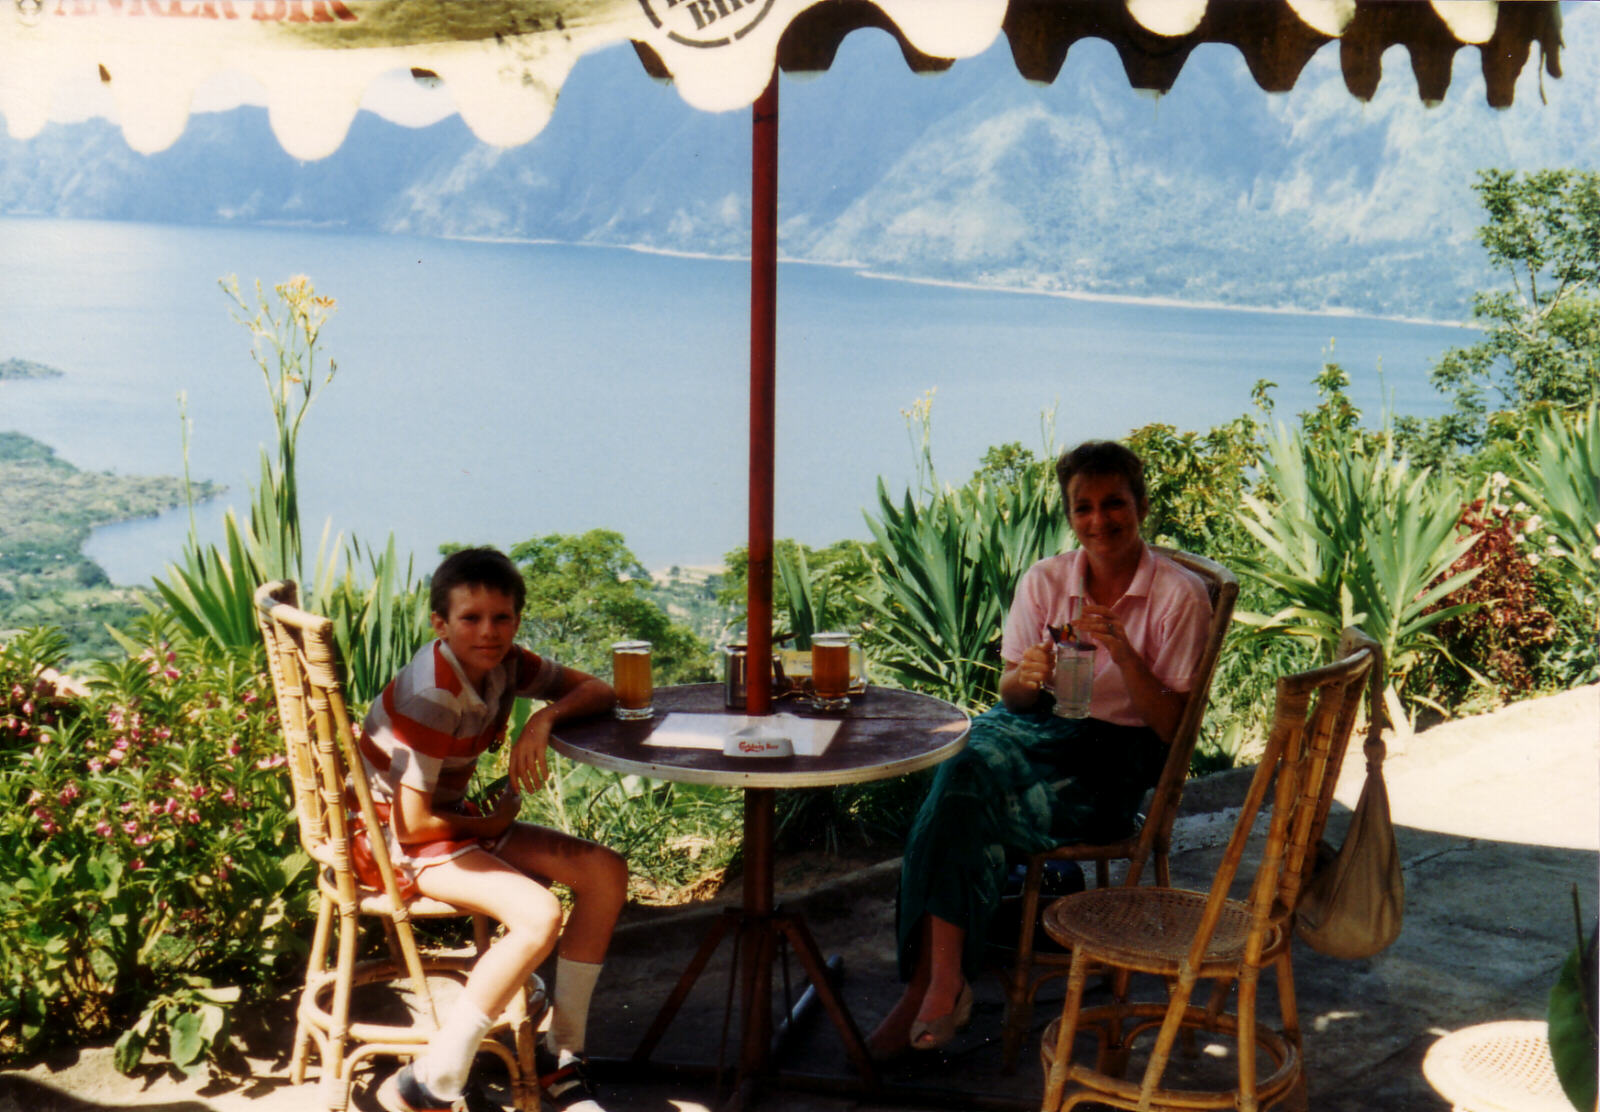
188,1042
1572,1032
129,1051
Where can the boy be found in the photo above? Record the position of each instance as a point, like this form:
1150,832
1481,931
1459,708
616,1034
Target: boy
421,741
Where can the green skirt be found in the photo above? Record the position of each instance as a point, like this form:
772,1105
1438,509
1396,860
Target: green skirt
996,796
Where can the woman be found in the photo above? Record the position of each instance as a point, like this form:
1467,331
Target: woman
1147,618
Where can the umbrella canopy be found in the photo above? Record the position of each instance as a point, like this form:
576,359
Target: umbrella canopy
504,61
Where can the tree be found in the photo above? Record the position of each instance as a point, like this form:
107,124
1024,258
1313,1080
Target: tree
1541,335
587,591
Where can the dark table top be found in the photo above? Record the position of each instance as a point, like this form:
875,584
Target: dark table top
884,733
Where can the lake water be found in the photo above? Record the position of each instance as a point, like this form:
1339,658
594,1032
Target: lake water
488,393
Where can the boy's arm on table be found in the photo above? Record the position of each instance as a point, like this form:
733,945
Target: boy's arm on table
578,695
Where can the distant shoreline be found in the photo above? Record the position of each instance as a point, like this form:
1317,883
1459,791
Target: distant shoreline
863,271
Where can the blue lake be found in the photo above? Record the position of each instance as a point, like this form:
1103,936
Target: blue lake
492,392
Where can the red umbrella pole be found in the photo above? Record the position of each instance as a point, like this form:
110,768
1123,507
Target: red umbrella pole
763,389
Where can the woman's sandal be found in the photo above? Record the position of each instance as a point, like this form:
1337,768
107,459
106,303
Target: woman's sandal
935,1033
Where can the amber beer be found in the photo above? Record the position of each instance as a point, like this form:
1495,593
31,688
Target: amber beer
830,671
630,677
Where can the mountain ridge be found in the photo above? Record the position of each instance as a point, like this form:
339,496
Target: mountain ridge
1216,193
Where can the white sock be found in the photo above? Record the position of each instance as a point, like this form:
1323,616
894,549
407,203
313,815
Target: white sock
443,1066
569,1018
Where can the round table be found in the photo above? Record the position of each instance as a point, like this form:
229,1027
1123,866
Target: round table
884,733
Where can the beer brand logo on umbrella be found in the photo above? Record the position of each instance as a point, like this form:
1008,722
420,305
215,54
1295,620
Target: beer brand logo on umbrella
706,22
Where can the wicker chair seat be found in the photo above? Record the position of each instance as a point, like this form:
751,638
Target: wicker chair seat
1149,929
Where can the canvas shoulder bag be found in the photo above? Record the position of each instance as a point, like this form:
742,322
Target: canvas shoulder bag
1354,901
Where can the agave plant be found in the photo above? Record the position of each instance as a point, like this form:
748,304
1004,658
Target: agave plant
945,581
1351,536
1562,483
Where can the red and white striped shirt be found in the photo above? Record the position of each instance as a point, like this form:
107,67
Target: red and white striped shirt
430,725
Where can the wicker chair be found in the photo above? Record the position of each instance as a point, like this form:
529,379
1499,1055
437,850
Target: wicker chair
1184,937
328,783
1153,838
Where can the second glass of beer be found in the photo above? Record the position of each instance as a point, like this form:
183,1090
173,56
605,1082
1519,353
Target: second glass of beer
830,671
630,677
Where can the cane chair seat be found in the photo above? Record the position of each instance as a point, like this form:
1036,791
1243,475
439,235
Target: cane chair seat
332,802
1182,938
1151,841
1149,929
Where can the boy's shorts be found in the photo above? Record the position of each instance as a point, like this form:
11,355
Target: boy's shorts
410,860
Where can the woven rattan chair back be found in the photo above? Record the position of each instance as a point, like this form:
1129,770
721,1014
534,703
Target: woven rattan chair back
329,781
1184,937
1031,967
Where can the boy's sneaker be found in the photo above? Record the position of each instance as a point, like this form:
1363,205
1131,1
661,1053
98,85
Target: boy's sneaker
565,1080
402,1092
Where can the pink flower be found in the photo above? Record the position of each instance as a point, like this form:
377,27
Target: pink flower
234,749
130,828
68,794
120,743
198,791
171,806
115,756
17,692
104,829
96,764
27,707
227,796
249,697
172,673
273,761
136,864
193,817
142,840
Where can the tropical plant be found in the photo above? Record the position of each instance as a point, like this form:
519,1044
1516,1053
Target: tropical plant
149,872
947,568
1497,644
379,623
1561,482
1350,535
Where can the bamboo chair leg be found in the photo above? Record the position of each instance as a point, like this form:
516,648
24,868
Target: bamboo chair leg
1102,873
1288,1008
1066,1032
335,1070
1019,992
316,963
1177,1004
1249,978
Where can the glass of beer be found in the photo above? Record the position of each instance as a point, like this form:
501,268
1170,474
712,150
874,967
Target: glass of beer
630,677
830,671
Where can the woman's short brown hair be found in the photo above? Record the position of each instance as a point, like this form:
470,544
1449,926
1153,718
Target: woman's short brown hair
1100,458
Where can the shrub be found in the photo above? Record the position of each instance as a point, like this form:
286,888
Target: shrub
149,869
